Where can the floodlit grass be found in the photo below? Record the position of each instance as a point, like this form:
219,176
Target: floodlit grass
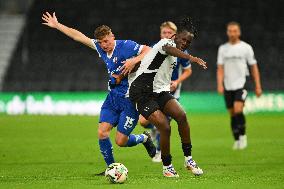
62,152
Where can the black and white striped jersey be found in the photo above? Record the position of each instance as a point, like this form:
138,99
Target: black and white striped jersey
156,68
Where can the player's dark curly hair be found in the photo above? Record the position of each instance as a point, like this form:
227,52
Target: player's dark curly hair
187,24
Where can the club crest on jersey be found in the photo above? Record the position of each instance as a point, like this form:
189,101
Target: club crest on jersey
114,60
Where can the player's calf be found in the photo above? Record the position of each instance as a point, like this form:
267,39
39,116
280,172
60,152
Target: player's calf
105,143
123,140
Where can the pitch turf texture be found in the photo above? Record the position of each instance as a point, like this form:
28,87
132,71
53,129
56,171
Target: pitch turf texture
62,152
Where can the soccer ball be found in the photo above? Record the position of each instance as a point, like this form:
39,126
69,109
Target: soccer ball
116,173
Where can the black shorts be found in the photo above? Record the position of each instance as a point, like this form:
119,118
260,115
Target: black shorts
146,101
233,96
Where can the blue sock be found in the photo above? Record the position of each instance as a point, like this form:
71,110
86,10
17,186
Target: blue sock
149,126
158,141
133,140
106,150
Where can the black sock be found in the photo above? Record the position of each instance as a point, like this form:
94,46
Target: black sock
167,160
241,123
235,128
186,147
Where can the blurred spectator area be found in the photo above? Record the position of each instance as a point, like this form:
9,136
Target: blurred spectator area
14,6
46,60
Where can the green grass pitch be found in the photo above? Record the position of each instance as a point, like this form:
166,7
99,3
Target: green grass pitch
62,152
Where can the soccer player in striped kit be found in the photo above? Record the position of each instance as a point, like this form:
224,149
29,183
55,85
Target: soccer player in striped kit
232,70
181,72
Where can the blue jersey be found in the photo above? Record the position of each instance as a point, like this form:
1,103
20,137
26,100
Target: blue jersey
124,49
181,64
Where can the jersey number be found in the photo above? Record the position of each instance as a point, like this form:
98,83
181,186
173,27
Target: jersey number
129,122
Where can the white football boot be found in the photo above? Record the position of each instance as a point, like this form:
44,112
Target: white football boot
236,145
157,158
243,143
170,172
191,165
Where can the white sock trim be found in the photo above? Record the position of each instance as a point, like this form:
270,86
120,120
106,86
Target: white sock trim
145,138
164,167
187,158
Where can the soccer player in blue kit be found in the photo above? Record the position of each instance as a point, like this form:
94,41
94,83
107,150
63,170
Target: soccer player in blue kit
117,109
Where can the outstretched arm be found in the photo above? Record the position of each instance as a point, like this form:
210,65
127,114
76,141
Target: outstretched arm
51,21
178,53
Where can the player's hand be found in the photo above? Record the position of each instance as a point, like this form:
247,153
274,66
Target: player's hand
198,61
220,89
117,78
258,91
128,66
49,20
174,86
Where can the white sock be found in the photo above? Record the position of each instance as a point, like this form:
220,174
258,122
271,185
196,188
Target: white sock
164,167
145,138
186,158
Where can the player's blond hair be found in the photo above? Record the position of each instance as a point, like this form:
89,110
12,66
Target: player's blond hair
102,31
169,24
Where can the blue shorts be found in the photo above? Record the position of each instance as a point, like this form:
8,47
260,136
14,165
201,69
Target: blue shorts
119,111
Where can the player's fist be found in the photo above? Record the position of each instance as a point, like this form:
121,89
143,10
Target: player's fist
117,78
49,20
174,86
128,66
220,89
258,91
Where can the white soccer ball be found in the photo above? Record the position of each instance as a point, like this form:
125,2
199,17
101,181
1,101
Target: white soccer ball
116,173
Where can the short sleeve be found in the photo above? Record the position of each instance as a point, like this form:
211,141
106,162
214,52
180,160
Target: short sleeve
250,56
165,42
131,48
95,43
185,63
220,56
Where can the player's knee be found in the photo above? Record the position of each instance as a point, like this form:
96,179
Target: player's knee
165,129
102,134
238,107
161,122
238,110
144,123
181,118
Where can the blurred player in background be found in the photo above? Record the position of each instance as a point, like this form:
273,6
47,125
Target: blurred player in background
181,72
150,91
232,70
117,109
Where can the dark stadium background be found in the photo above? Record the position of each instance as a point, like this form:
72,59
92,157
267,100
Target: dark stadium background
45,60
